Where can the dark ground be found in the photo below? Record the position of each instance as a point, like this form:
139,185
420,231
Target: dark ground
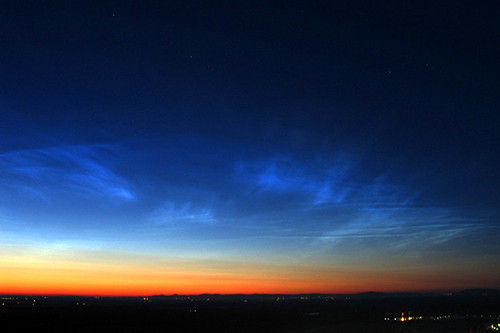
252,313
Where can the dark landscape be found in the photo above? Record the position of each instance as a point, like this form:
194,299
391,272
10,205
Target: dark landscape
475,310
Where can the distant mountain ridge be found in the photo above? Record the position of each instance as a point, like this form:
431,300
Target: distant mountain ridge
368,294
479,292
363,295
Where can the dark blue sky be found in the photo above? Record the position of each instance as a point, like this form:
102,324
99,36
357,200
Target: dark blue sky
351,134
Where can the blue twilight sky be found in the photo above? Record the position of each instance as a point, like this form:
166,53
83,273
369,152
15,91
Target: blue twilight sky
298,134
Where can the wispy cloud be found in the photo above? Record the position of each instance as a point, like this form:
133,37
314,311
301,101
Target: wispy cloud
71,170
172,214
403,228
318,181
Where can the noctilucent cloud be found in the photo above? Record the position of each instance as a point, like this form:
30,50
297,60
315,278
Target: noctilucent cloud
248,147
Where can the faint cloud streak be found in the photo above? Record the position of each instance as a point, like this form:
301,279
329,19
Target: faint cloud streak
180,215
75,170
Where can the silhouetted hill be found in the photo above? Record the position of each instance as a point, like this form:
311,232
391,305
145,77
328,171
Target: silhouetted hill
370,294
479,292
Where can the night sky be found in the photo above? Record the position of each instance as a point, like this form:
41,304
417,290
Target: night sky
191,147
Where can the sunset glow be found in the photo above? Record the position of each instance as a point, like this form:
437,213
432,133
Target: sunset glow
248,147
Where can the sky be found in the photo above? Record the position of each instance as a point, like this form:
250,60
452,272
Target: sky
161,147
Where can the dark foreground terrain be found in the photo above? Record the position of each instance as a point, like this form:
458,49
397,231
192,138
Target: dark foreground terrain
471,311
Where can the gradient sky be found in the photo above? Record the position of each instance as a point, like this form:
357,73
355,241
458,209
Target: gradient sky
191,147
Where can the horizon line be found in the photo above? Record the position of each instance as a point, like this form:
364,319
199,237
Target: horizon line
442,292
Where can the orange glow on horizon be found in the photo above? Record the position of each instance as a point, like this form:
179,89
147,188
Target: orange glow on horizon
56,276
185,285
